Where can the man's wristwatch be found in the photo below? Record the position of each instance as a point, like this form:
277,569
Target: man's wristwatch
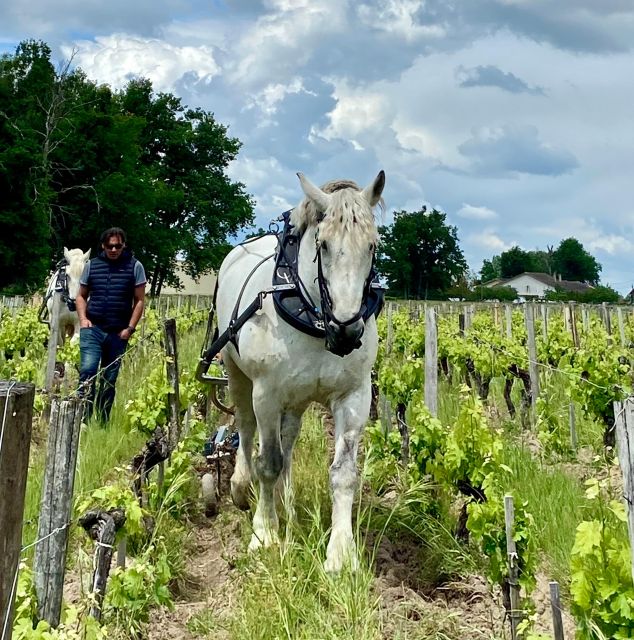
131,329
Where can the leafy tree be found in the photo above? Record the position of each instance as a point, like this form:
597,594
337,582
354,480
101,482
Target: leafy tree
491,269
76,158
596,295
419,254
573,262
516,261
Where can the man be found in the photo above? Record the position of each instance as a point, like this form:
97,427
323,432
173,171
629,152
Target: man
110,304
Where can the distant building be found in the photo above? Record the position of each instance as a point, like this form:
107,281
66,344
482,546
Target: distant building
531,285
203,286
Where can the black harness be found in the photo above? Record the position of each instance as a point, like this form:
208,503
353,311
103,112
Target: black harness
294,304
61,287
291,298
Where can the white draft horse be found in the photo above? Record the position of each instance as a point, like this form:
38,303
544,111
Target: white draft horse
66,279
277,371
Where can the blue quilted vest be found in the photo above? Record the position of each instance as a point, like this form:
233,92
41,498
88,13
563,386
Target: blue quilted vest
111,291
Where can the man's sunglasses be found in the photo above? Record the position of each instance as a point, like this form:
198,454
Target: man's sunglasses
118,245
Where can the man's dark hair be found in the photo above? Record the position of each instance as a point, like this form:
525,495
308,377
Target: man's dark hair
113,231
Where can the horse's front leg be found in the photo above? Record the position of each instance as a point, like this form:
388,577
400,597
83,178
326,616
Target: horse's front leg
268,465
350,413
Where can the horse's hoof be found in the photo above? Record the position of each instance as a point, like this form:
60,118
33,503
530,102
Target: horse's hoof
263,540
341,553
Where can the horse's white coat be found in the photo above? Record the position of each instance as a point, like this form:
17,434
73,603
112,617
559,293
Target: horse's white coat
279,371
68,320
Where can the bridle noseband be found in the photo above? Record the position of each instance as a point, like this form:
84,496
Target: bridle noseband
332,325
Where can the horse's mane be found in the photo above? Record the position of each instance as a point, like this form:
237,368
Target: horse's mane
349,213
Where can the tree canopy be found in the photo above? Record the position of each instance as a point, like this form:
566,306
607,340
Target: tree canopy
77,157
419,254
573,262
570,260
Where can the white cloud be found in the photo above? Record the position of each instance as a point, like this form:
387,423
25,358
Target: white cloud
117,58
358,111
488,240
398,18
471,212
269,98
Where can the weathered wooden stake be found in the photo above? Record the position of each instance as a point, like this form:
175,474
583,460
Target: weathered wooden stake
16,417
515,614
605,310
624,414
121,552
508,314
573,324
573,426
619,318
172,379
101,526
555,606
431,360
533,367
49,565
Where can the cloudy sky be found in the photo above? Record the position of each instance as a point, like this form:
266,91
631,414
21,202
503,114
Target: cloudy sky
515,117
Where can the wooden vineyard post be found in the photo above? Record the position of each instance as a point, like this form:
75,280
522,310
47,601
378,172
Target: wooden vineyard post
385,408
508,314
533,367
605,312
624,414
585,316
555,606
16,416
573,324
515,613
619,318
49,565
52,343
544,313
431,360
102,527
572,421
172,380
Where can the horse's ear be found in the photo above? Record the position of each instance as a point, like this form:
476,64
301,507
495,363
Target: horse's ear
373,192
87,255
66,254
319,197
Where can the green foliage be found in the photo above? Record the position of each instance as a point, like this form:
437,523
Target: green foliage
117,496
22,344
147,409
515,261
133,591
502,293
77,157
74,625
601,586
487,527
573,262
596,295
420,255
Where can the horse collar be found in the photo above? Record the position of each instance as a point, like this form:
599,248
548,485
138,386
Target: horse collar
292,302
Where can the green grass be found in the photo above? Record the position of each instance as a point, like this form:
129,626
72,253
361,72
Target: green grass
102,449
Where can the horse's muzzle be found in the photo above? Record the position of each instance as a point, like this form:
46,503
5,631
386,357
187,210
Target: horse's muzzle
342,339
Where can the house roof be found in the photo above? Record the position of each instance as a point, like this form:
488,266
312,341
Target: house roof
544,278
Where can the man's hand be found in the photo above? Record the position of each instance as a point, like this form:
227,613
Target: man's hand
126,333
85,323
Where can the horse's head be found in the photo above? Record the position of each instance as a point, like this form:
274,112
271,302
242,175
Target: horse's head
345,236
75,261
